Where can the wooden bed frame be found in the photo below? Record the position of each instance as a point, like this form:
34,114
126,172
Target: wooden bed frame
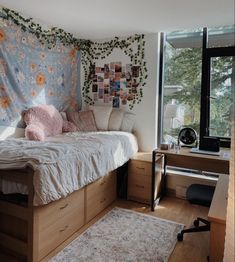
31,233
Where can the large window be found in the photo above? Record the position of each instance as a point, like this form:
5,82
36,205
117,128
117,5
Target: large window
197,86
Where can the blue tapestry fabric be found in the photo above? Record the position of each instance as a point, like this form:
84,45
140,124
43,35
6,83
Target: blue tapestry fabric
31,73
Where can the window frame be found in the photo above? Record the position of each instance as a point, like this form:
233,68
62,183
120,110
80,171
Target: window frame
207,54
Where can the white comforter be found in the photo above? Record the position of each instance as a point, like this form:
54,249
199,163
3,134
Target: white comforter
67,162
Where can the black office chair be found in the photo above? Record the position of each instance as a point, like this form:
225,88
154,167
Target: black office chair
200,195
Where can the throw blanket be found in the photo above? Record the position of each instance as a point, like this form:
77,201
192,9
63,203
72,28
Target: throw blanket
67,162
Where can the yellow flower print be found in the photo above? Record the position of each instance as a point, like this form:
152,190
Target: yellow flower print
2,35
50,93
33,66
33,93
50,69
40,79
5,102
2,88
42,56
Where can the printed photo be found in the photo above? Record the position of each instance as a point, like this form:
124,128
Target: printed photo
106,68
94,88
100,84
106,98
124,101
94,78
97,69
95,97
101,93
100,77
117,85
106,75
106,90
106,83
118,76
123,83
118,67
112,66
116,102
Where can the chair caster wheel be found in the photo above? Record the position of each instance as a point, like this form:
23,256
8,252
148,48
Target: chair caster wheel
196,223
180,237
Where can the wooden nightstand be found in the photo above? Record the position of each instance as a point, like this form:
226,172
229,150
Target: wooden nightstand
143,186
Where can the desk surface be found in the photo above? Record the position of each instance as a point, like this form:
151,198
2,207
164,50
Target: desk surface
186,159
218,206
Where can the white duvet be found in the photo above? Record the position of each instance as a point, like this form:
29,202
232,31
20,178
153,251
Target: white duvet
67,162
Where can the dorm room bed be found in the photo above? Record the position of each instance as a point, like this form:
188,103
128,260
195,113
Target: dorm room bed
51,189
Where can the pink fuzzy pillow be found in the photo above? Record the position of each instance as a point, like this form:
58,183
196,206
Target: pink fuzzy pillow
42,121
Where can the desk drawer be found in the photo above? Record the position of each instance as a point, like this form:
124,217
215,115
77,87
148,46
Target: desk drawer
139,188
140,168
100,194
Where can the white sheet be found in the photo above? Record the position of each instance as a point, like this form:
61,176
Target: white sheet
67,162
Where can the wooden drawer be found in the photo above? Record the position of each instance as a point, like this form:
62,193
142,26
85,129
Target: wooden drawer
139,187
50,213
140,168
59,220
100,194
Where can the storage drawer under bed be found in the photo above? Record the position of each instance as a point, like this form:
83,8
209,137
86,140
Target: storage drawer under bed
100,194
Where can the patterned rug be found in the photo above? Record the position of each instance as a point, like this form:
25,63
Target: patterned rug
123,235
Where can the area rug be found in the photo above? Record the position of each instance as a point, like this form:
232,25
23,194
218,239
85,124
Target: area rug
123,235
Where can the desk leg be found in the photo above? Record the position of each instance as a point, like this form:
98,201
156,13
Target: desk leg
162,183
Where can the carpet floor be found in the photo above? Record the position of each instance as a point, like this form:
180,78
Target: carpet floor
123,235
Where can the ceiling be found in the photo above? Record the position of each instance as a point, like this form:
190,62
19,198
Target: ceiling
97,19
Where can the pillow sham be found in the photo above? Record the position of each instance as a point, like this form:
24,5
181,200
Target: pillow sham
83,120
115,120
128,122
101,114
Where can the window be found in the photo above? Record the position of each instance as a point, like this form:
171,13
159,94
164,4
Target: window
197,84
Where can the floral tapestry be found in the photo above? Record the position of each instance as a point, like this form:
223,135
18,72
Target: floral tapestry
32,73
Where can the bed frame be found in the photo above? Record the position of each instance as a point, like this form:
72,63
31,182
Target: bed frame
31,233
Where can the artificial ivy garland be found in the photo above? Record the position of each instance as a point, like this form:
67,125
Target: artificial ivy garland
91,51
103,50
49,36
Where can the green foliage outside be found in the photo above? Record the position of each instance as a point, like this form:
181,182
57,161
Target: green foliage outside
183,68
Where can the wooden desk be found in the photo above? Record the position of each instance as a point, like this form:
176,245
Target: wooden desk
217,217
186,159
217,212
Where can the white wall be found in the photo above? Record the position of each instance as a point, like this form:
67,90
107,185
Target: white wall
146,112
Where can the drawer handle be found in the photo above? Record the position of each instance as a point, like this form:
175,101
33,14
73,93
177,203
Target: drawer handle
102,201
62,230
63,207
142,168
139,186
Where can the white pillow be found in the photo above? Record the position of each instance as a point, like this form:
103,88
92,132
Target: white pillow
128,122
101,114
115,120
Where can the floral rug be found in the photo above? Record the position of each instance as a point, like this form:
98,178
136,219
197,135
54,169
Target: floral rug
123,235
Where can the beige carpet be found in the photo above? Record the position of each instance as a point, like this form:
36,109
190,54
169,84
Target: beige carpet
123,235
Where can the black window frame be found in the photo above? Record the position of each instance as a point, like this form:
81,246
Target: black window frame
207,54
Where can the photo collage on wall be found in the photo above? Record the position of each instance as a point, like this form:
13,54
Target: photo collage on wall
115,83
